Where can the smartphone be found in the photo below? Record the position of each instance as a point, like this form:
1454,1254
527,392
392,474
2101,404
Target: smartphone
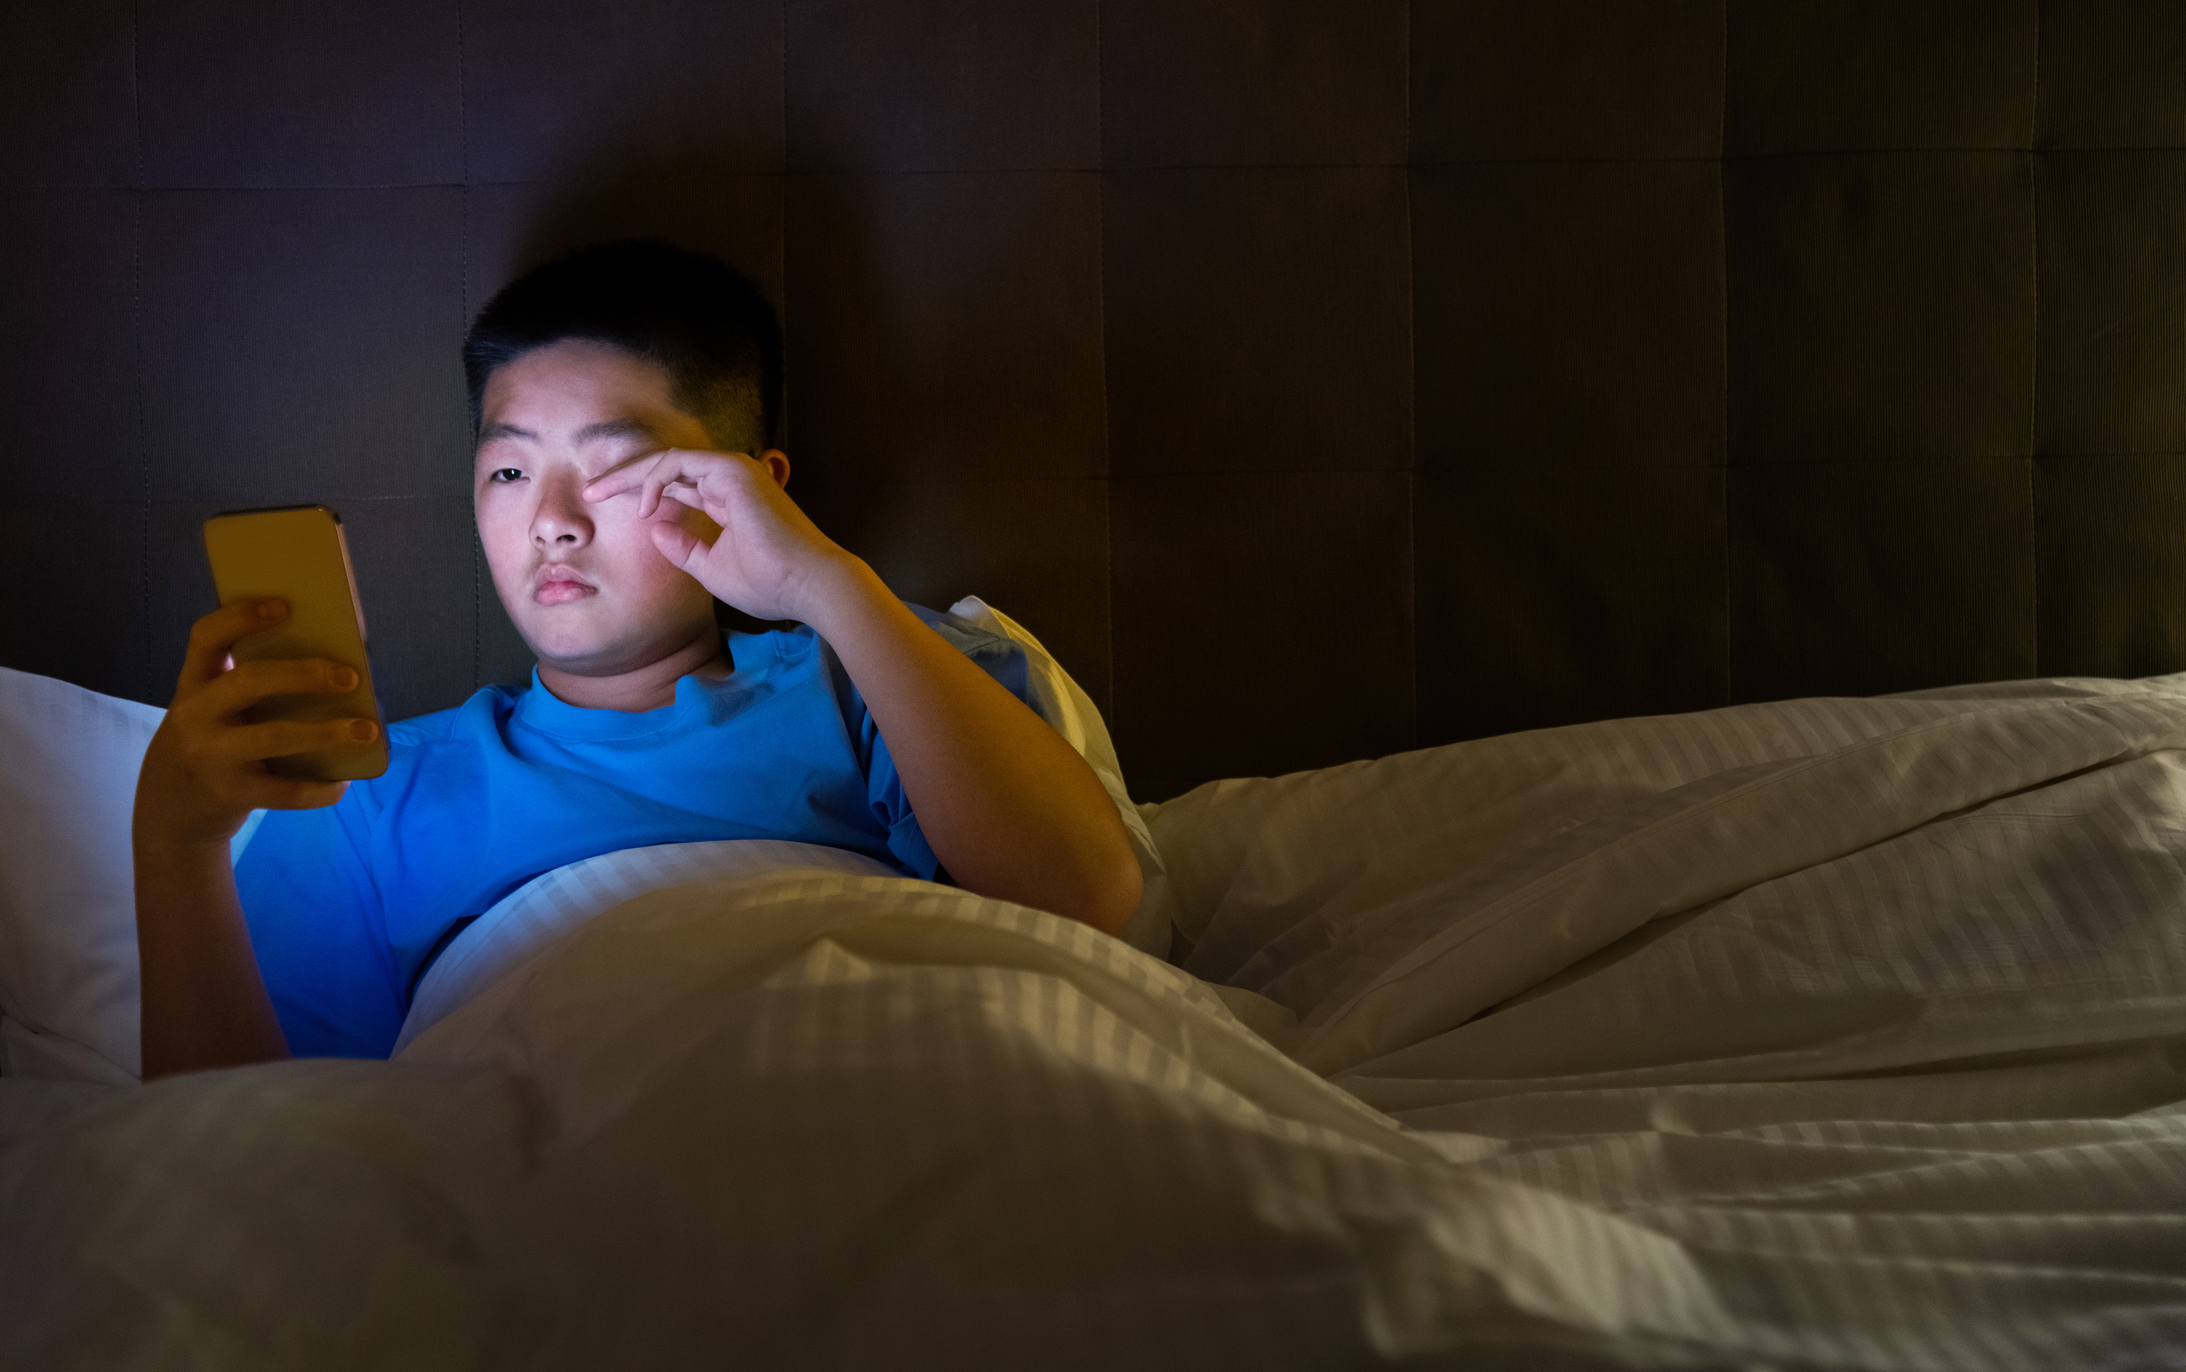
297,552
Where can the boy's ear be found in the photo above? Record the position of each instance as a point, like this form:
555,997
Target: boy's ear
776,462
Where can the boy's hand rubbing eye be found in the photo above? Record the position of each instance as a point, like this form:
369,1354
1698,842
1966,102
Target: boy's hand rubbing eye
767,559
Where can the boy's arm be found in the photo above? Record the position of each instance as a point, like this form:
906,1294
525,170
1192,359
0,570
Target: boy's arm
205,1004
204,1001
1006,803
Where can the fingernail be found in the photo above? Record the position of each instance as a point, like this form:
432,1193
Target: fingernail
344,678
271,609
362,730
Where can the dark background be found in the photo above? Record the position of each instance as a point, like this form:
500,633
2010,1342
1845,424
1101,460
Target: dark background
1319,380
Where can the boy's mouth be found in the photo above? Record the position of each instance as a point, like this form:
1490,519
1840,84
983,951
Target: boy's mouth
559,585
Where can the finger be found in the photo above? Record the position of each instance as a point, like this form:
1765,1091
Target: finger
679,545
281,737
651,474
252,682
285,793
665,475
214,634
630,476
684,494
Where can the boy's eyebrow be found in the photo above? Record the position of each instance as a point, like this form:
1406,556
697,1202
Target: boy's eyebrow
614,428
590,433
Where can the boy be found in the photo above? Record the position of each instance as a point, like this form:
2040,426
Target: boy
622,481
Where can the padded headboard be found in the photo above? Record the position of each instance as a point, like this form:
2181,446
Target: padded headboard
1319,380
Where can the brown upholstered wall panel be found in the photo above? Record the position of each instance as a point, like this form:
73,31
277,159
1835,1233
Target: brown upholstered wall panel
1302,83
1257,320
1865,75
2108,556
951,327
1317,379
1551,594
334,93
2110,75
1263,620
1569,313
68,113
68,422
943,85
2112,264
1859,577
1555,80
1881,305
590,91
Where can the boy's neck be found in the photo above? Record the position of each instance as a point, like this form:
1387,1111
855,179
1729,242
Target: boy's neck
650,687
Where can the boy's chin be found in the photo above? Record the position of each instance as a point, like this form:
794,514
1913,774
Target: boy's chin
597,650
582,649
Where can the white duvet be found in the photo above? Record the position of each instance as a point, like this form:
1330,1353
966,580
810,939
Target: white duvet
1827,1033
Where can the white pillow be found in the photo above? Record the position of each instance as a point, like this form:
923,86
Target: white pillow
68,925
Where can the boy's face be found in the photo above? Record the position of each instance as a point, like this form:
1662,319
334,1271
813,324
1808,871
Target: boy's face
584,583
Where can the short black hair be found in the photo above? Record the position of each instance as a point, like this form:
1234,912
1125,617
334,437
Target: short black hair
697,316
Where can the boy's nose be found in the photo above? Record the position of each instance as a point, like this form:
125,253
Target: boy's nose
562,517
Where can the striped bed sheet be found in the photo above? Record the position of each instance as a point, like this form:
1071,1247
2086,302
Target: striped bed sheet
1876,1008
1828,1033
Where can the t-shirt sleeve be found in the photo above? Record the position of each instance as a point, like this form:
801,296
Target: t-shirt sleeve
317,927
998,658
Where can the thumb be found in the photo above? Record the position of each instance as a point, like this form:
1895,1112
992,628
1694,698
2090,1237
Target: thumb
679,545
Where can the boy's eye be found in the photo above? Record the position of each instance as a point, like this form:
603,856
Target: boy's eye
506,474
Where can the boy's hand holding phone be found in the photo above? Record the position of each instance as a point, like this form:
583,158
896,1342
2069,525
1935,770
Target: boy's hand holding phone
205,769
263,718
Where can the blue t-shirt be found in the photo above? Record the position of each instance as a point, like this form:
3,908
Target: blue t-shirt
348,905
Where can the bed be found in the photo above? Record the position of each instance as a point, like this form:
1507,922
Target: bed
1828,1033
1520,488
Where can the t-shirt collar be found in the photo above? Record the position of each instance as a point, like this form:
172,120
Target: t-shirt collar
540,710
